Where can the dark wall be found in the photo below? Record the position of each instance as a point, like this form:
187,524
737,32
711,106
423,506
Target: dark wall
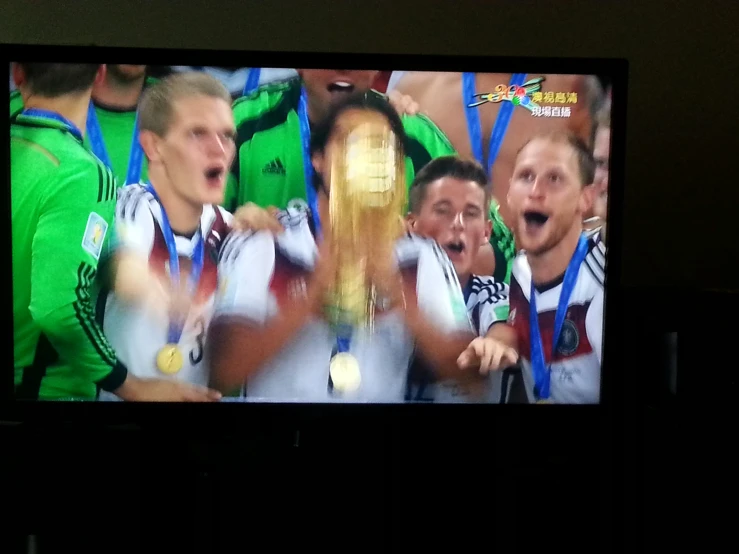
682,191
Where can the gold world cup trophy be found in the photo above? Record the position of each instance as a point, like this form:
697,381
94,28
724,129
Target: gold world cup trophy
368,195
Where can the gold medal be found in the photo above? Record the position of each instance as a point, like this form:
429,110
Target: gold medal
344,370
169,359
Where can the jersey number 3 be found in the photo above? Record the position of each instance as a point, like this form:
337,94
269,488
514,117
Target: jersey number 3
196,354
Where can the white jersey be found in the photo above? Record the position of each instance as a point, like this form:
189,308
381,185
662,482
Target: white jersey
487,304
136,333
262,271
576,367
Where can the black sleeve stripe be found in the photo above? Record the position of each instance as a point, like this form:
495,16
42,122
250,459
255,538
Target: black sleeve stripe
232,247
111,185
596,271
86,315
128,202
417,153
101,183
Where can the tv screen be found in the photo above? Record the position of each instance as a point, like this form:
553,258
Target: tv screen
185,233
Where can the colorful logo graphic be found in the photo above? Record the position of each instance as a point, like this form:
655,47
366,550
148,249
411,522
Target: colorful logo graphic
529,96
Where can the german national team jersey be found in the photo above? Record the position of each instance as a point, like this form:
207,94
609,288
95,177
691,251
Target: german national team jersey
269,169
576,366
487,304
261,274
135,332
63,202
116,127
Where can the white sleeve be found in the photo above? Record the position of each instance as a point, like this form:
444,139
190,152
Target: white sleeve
134,221
494,308
440,296
594,325
244,272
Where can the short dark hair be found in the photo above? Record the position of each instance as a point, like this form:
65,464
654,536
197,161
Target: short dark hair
52,80
369,101
585,161
446,166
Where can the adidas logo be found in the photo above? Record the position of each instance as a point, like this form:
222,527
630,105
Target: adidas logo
274,167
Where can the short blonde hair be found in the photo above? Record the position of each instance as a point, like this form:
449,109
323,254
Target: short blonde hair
156,107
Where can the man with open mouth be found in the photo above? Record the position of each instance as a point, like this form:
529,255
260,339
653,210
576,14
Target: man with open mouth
556,297
450,204
170,231
273,167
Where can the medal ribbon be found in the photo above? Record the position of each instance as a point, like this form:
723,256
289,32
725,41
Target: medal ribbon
343,344
176,327
474,126
310,191
542,372
135,157
47,114
252,80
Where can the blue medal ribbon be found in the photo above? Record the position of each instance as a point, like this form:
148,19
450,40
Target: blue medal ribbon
310,191
252,80
47,114
176,327
474,127
135,157
541,371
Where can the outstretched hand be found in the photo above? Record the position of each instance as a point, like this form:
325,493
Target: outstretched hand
487,354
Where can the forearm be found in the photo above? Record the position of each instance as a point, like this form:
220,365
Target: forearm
441,350
80,343
238,348
504,333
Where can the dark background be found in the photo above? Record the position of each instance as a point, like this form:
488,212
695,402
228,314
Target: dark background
680,202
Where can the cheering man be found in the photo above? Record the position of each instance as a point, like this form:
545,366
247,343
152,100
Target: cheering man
270,331
63,200
171,229
556,302
449,203
273,166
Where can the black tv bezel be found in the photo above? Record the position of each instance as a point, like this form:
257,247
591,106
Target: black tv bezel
270,415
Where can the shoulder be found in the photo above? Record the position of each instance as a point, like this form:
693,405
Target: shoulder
420,128
239,242
595,260
411,247
268,98
488,290
16,103
133,200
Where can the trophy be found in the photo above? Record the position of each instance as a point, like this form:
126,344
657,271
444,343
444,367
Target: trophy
367,196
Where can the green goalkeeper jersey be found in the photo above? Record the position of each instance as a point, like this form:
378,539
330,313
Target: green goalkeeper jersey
269,165
116,127
63,204
504,246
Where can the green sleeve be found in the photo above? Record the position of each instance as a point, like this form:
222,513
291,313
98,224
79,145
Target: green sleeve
77,213
16,103
425,141
504,246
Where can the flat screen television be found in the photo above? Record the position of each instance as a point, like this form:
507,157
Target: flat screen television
349,240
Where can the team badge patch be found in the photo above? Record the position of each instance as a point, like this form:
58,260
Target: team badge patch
94,237
569,340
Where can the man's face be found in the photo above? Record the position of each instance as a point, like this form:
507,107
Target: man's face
198,148
546,196
453,213
326,86
126,73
